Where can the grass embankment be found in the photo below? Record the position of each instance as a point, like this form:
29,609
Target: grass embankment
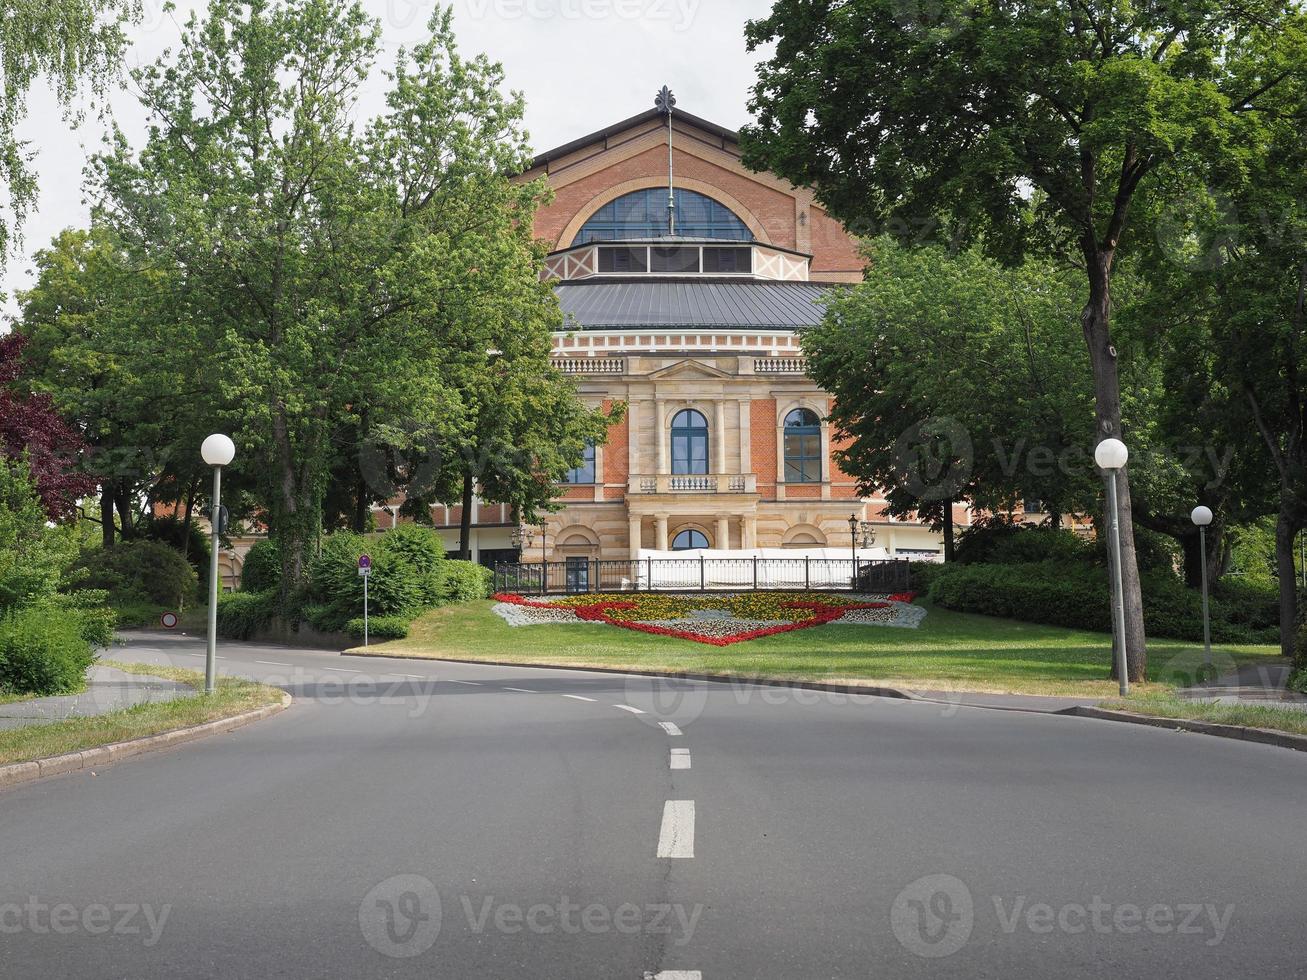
1292,720
948,652
232,697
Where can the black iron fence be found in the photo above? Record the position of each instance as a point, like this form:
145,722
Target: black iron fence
702,575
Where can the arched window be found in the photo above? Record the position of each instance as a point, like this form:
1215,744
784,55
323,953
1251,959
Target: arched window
802,447
689,442
689,541
585,473
643,214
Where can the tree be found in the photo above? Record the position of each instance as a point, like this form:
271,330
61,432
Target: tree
1029,128
33,434
70,43
955,380
319,264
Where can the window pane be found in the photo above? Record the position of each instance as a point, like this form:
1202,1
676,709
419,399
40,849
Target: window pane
622,259
728,260
678,260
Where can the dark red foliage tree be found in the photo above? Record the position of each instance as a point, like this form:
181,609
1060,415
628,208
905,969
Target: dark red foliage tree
29,424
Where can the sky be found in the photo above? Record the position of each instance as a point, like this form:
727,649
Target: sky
581,64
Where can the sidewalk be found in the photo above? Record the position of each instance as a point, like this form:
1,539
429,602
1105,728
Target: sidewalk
107,689
1262,684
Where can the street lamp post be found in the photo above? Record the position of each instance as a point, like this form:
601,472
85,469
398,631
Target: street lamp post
1202,516
1111,455
854,524
217,451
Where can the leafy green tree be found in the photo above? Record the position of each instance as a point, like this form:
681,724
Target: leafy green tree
958,380
1030,128
319,264
74,45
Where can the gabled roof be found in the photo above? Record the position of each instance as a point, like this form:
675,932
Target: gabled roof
648,116
633,304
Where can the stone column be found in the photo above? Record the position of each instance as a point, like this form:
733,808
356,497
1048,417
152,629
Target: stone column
661,536
633,436
746,437
660,433
720,436
723,533
749,531
635,536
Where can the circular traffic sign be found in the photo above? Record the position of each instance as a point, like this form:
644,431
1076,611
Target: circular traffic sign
365,561
169,620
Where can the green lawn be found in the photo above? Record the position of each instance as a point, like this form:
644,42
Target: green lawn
949,651
1290,720
232,697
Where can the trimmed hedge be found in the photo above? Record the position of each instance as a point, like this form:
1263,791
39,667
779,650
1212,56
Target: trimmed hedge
1004,543
379,628
140,571
44,650
1075,595
243,614
261,570
463,581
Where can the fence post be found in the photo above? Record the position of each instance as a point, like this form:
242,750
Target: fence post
703,582
755,573
807,573
544,578
648,582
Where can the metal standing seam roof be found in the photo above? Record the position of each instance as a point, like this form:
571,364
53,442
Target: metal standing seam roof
757,304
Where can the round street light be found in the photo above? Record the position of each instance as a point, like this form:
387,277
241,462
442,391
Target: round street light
1202,516
1111,455
217,451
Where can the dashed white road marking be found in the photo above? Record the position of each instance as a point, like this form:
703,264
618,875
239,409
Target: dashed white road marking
520,690
676,975
468,683
680,759
272,663
676,838
343,670
627,707
577,697
669,727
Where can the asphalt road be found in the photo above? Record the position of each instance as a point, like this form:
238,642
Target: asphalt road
411,819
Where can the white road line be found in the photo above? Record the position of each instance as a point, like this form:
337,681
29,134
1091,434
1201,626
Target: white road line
680,759
272,663
468,683
676,838
343,670
669,727
627,707
520,690
577,697
678,975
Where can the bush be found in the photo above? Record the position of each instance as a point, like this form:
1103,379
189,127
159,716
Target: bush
396,588
998,542
262,568
43,650
97,621
423,550
463,581
1075,595
922,573
173,531
140,571
379,627
243,614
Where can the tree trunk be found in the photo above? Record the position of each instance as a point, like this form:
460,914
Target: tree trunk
106,515
1285,532
126,519
190,515
949,545
1096,323
465,522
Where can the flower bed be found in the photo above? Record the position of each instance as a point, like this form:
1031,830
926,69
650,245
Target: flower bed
717,619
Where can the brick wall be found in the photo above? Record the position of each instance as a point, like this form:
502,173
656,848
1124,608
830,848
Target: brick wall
763,447
617,456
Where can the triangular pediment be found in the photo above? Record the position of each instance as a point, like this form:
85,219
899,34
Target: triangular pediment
688,370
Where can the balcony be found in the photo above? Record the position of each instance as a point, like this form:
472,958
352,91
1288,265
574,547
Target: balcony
780,365
590,365
668,483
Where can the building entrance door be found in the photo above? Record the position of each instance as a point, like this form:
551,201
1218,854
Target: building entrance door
578,574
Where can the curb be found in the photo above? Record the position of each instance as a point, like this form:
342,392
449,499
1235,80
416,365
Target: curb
102,755
680,675
1264,736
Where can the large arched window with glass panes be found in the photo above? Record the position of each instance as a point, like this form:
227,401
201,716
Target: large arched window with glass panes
802,447
643,214
689,442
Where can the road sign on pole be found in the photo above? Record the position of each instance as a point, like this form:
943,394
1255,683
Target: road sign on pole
365,570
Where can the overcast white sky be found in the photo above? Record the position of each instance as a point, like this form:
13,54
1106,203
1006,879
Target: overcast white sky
582,64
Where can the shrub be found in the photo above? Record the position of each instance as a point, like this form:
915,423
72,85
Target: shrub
423,550
43,650
463,581
243,614
922,573
97,620
379,627
262,568
173,531
1000,542
140,571
396,588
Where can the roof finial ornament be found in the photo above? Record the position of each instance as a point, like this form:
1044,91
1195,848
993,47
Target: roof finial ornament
665,102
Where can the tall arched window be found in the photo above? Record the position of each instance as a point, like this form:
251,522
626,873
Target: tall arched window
689,442
643,214
689,540
802,447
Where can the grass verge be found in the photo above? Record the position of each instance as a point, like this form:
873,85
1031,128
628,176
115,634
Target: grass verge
948,652
1292,720
233,697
